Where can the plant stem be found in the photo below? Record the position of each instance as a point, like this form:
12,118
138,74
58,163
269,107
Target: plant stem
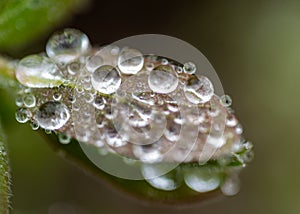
4,176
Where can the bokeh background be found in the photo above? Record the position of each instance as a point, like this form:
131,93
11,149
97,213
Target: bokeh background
255,48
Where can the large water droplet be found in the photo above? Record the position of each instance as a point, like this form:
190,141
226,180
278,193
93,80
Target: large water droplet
52,115
198,90
67,45
36,71
130,61
106,79
167,180
163,79
202,179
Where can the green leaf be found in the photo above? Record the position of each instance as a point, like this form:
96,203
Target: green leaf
22,21
4,176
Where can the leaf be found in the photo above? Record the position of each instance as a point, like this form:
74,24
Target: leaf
22,21
4,176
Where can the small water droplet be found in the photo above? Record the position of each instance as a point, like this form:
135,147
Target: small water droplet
148,153
163,79
67,45
202,179
52,115
34,125
36,71
74,68
198,90
57,96
189,68
99,102
106,79
113,138
23,115
130,61
239,129
226,100
231,186
19,101
29,100
64,138
172,131
231,121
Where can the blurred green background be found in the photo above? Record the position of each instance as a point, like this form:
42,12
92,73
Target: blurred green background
255,48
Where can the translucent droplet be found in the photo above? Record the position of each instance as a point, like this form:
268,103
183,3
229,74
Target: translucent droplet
163,79
34,125
239,129
231,186
148,153
35,71
74,68
172,131
29,100
202,179
67,45
23,115
106,79
64,138
113,138
99,102
189,68
93,63
130,61
167,180
52,115
57,96
198,90
19,101
231,121
226,100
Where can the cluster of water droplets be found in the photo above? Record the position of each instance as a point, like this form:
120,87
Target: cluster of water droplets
124,102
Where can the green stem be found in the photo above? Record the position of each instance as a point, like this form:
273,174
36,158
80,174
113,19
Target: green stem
7,73
4,176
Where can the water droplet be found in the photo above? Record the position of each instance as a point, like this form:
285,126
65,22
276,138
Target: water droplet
163,79
34,125
74,68
198,90
168,180
29,100
67,45
226,100
202,179
23,115
130,61
189,68
231,186
148,153
19,101
231,121
57,96
52,115
93,63
179,69
239,129
64,138
113,138
99,102
106,79
172,131
164,61
36,71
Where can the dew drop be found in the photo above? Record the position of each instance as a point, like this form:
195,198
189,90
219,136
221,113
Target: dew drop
172,131
99,102
29,100
106,79
34,125
93,63
202,179
23,115
198,90
148,153
226,100
167,180
113,138
163,79
52,115
67,45
189,68
36,71
130,61
231,186
64,138
74,68
57,96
